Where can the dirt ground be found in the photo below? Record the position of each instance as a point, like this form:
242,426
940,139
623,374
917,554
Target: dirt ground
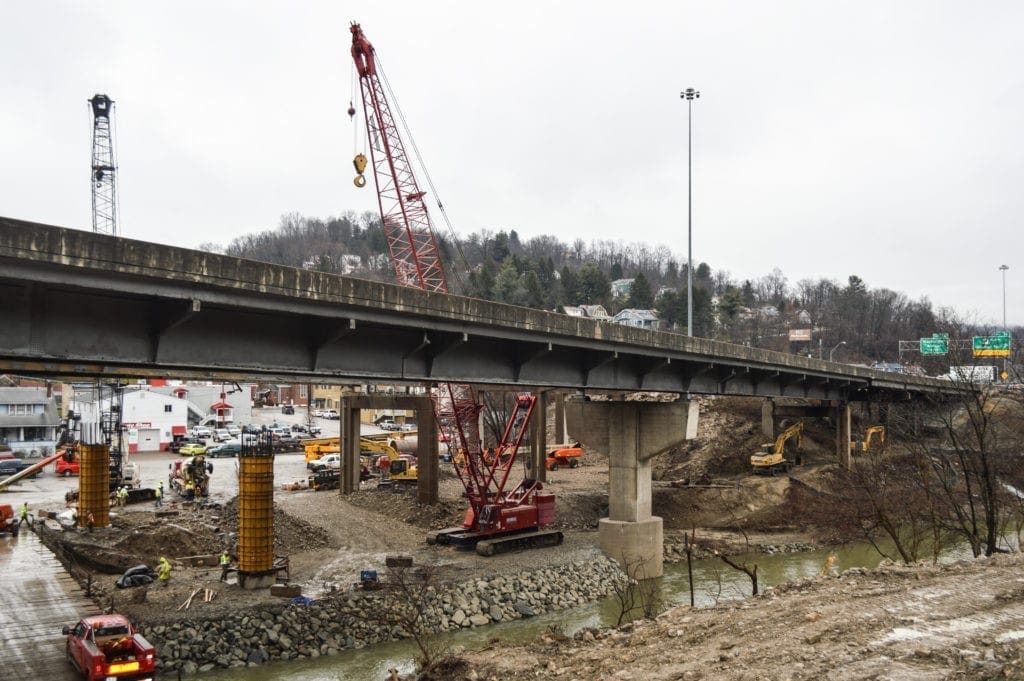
961,621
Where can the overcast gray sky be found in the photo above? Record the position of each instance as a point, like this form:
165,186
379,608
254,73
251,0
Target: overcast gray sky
831,138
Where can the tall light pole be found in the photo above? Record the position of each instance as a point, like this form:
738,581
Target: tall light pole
833,350
689,94
1003,268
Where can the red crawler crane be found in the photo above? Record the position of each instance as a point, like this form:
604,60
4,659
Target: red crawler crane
496,520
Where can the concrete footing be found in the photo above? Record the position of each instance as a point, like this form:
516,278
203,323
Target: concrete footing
256,581
638,547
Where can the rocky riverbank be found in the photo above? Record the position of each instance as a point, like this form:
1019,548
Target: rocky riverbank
356,619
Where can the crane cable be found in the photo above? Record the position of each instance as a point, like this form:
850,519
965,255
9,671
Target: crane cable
423,167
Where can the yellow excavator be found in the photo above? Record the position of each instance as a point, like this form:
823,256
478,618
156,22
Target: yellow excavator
874,440
400,469
371,449
771,458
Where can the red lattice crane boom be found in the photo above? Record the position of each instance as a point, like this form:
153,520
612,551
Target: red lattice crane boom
496,520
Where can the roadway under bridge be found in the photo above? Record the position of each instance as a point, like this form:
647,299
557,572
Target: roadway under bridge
82,304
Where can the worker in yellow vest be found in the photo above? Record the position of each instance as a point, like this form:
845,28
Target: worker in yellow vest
163,570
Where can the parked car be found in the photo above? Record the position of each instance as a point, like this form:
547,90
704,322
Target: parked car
299,428
222,435
180,441
313,430
9,467
201,431
226,449
250,429
287,443
287,409
318,412
408,426
192,449
331,414
234,430
387,424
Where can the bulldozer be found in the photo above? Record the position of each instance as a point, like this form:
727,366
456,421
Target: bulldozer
874,440
771,458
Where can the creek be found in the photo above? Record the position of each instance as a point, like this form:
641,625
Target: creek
713,581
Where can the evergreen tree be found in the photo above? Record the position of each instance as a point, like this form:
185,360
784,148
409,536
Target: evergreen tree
507,287
593,285
615,272
534,291
730,302
570,286
640,294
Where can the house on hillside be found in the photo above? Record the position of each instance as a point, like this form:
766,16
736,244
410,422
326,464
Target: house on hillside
597,312
28,421
621,288
643,319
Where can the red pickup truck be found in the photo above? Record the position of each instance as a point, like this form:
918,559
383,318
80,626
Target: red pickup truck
67,465
105,647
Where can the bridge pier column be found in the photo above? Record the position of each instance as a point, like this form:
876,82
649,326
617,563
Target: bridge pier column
539,438
350,431
768,418
560,417
632,433
426,452
843,434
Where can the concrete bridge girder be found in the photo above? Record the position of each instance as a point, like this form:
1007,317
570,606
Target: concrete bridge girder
632,433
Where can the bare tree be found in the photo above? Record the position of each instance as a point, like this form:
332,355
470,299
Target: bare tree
636,593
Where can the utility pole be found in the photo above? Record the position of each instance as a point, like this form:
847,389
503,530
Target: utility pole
1003,268
104,192
689,94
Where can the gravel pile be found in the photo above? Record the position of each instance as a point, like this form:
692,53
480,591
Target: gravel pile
291,534
357,619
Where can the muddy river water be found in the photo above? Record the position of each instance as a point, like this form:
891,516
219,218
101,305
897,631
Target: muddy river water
713,581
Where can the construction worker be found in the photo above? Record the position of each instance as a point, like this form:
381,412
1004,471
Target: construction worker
90,520
122,496
24,514
190,491
225,563
163,570
159,494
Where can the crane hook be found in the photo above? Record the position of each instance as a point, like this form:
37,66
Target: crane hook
360,165
351,110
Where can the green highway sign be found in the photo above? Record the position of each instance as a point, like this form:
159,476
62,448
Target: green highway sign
997,345
934,346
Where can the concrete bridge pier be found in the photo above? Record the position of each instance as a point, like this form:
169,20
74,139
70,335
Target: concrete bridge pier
426,441
842,416
632,433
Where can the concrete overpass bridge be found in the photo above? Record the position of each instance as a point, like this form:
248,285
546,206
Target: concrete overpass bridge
79,304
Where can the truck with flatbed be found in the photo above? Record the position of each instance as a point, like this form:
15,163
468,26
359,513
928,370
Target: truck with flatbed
106,647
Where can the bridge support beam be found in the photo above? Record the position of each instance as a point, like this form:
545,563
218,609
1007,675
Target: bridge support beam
842,412
426,441
632,433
